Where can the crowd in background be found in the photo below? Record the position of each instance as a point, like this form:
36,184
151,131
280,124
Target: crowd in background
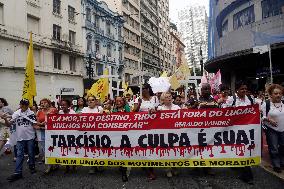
25,128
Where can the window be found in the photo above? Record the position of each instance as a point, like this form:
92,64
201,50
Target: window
99,69
244,17
1,14
71,13
120,53
89,44
97,21
88,14
224,28
37,57
57,61
56,6
109,50
72,37
97,46
108,28
32,24
72,63
56,32
271,8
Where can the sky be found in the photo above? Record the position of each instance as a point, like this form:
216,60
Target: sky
176,5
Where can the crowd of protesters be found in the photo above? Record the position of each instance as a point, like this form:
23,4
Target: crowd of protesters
27,126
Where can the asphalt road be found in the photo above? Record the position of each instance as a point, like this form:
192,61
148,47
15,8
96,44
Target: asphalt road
225,178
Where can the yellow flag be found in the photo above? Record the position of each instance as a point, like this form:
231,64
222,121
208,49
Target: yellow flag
29,89
100,89
124,85
182,72
174,82
164,74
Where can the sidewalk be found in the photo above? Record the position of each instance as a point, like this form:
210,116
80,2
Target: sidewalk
265,160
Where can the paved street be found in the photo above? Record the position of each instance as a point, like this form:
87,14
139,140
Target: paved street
188,178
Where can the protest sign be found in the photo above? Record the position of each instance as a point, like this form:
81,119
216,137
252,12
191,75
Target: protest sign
228,137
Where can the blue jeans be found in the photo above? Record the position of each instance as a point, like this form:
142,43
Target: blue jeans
21,145
275,141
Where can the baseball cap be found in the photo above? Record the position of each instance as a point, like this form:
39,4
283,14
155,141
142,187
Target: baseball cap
24,102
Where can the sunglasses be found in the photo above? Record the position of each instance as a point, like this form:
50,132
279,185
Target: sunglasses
92,100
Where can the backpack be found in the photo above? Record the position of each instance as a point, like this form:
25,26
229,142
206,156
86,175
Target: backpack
235,99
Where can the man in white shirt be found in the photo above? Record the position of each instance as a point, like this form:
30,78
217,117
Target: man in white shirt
25,121
241,99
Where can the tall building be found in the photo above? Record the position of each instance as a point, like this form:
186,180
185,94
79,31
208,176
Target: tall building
58,52
103,42
130,9
235,28
193,25
177,48
150,38
166,60
146,37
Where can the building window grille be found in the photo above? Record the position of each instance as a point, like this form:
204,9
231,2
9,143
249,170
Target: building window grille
56,6
71,13
271,8
56,32
244,17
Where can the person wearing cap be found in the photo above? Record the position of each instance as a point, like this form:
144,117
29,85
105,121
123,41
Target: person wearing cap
25,121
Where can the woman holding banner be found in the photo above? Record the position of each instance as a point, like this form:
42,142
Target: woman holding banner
273,119
93,107
167,104
146,103
121,106
45,109
65,109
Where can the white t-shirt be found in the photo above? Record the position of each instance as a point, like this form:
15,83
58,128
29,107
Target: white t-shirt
276,114
97,109
146,105
24,124
173,107
239,102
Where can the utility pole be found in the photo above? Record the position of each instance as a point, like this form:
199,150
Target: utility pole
201,60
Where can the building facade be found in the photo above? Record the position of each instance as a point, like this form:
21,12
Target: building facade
147,39
166,60
193,25
150,39
177,48
235,28
102,41
58,52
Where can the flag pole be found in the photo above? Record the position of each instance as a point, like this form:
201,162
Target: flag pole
270,64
